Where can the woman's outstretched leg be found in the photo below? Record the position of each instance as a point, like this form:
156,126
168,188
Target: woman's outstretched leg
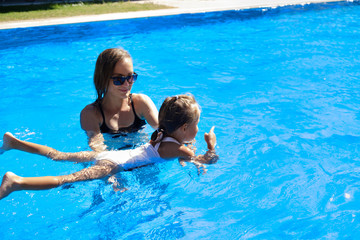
12,182
11,142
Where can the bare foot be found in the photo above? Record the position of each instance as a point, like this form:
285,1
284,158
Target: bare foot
8,184
8,139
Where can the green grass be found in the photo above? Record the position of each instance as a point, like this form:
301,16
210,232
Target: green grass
20,13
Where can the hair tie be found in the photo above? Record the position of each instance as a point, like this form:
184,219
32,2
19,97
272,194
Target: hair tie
176,97
160,130
159,136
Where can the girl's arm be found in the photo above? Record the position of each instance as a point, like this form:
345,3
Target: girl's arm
210,157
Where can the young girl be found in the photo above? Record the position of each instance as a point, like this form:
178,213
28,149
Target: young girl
178,120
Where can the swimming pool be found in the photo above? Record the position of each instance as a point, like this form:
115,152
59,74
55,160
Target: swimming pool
280,85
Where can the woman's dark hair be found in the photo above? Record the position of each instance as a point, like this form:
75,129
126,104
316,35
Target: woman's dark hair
104,68
175,112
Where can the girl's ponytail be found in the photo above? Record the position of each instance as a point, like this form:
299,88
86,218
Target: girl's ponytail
157,135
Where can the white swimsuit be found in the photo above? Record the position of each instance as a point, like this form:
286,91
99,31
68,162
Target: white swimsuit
132,158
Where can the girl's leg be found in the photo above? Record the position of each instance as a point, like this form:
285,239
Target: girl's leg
11,142
12,182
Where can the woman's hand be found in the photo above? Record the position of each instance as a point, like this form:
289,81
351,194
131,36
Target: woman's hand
210,139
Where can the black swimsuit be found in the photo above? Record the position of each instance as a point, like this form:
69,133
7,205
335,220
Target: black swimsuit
136,126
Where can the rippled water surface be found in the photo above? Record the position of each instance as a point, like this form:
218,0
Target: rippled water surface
280,85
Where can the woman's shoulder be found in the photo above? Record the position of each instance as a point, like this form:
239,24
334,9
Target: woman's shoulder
90,110
140,98
143,103
90,118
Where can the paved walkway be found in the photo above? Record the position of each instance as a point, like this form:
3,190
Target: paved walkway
179,7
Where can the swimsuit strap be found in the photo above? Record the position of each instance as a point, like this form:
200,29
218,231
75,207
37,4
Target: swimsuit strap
132,105
166,139
102,112
138,122
103,128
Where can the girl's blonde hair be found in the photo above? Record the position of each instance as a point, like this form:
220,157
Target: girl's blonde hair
104,68
175,112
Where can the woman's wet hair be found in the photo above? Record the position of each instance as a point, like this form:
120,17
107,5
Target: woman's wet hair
104,68
175,112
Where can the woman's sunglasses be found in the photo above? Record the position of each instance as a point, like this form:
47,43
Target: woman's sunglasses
119,80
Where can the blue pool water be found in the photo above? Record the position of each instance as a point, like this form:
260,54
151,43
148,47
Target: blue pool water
280,85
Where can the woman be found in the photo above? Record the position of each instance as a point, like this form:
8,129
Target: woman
116,110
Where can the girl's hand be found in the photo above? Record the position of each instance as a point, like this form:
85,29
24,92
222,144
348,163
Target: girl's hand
210,139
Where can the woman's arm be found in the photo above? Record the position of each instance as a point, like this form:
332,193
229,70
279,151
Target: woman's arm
146,108
90,122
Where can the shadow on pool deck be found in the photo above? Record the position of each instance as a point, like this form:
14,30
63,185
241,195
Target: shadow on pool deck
4,3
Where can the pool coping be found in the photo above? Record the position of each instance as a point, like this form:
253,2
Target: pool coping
179,7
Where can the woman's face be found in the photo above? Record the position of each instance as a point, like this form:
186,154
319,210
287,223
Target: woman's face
122,68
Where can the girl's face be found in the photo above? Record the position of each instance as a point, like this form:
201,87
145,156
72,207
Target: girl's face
122,68
192,128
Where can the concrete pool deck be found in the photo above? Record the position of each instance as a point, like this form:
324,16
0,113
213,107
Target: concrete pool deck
179,7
